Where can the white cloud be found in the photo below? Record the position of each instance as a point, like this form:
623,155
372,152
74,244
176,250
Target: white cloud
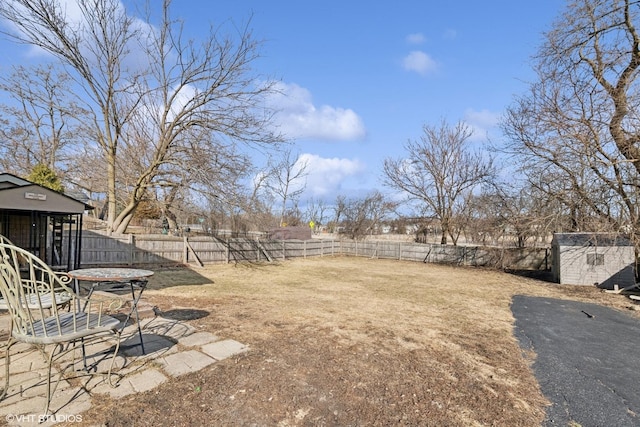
419,62
297,117
482,123
416,38
181,99
325,175
483,117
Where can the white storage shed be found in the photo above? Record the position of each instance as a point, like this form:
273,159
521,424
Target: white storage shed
601,259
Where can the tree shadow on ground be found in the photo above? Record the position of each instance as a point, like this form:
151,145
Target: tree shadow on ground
176,276
544,275
184,314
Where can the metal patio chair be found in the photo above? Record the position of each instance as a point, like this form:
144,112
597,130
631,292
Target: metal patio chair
32,282
34,322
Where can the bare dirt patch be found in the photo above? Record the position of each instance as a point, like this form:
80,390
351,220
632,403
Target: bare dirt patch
349,341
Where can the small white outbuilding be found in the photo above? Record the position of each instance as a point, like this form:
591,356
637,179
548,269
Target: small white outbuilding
601,259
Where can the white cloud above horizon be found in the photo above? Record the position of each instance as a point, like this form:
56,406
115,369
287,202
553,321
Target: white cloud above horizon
416,38
483,123
419,62
298,118
325,175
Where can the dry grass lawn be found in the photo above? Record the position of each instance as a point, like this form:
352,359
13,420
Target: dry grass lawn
350,341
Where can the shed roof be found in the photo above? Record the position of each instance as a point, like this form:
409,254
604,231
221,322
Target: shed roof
22,195
590,239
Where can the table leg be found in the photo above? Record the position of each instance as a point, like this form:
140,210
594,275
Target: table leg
134,307
84,353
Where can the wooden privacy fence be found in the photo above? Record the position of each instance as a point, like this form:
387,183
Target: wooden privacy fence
162,250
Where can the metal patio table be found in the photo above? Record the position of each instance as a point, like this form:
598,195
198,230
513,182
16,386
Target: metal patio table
112,279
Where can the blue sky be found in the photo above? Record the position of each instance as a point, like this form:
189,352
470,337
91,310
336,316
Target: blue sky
363,77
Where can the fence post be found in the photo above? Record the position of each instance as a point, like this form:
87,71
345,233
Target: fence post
399,251
546,258
284,250
185,252
132,246
304,249
227,250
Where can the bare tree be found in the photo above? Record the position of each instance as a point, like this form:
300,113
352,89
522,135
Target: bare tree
94,50
440,171
363,216
339,209
258,202
316,211
151,91
512,215
286,180
208,103
577,127
43,121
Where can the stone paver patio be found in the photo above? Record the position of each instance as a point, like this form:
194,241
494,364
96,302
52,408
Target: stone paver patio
173,348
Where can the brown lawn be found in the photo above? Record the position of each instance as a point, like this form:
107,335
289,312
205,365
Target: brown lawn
350,341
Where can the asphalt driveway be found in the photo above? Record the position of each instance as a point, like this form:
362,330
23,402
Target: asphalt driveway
587,360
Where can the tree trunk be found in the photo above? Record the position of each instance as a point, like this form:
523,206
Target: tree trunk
454,238
171,219
111,194
122,221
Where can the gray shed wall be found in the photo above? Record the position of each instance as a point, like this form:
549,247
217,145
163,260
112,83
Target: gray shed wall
572,266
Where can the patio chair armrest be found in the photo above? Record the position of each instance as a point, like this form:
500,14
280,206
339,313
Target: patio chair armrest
39,280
